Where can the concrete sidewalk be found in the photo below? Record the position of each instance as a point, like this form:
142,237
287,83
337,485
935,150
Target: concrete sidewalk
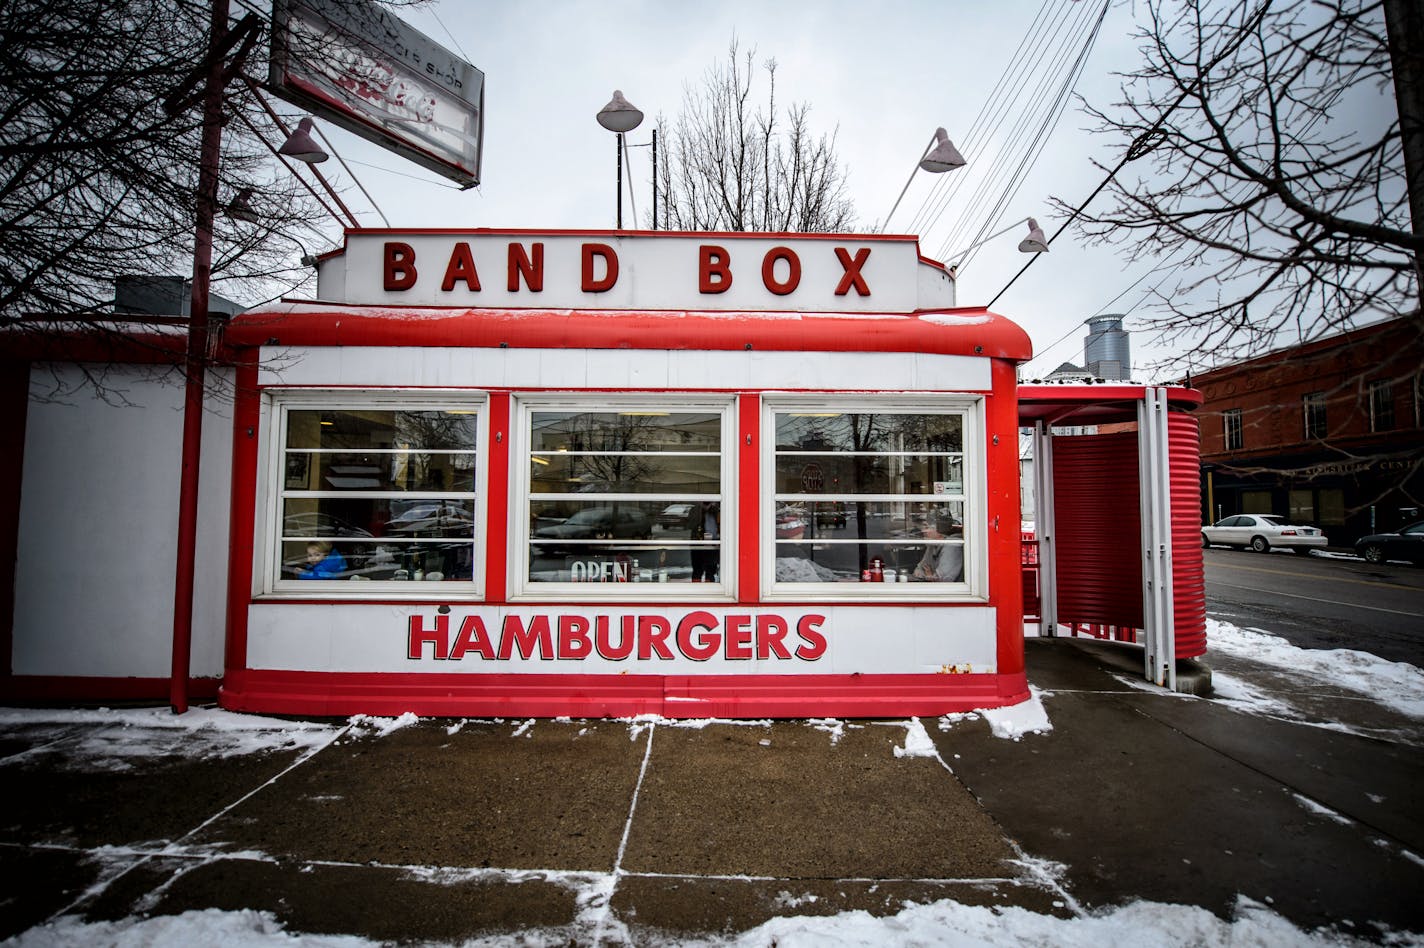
638,832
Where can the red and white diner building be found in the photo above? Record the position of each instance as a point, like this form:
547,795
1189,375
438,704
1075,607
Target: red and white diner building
591,474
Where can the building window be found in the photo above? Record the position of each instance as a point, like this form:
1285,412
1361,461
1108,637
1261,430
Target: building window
1313,408
863,495
1231,429
1381,406
1302,506
379,489
1332,506
623,491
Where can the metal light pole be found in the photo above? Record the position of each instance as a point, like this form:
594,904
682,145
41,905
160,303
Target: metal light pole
619,116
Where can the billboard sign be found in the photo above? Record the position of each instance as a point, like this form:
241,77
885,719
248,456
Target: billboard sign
363,69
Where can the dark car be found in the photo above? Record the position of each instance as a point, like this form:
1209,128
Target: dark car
600,523
1407,544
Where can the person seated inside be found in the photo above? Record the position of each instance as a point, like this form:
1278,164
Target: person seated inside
322,562
942,563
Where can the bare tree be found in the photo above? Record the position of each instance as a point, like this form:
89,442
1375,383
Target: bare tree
731,165
1268,172
98,178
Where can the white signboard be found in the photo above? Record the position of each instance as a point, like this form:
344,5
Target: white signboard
653,640
520,270
372,74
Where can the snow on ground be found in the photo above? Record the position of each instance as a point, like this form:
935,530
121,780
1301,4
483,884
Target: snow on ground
938,923
108,738
1396,685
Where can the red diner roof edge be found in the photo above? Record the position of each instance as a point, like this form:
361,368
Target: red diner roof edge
970,331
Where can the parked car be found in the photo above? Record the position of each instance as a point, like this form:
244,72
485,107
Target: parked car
316,524
673,516
1261,532
600,523
439,517
790,523
1406,544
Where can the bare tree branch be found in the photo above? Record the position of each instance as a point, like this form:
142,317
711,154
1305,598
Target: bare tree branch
731,167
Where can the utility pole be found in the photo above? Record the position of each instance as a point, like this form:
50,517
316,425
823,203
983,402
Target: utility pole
196,360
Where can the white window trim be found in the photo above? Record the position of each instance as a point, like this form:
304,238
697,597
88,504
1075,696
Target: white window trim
974,587
522,406
271,467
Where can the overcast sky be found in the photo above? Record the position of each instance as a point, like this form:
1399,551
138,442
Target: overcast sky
881,76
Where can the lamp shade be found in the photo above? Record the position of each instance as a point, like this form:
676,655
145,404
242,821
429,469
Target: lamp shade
620,115
302,146
943,156
240,208
1034,242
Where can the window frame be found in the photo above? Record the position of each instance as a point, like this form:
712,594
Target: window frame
277,404
973,588
1228,416
523,406
1314,419
1381,404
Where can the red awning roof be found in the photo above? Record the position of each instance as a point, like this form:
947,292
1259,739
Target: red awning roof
970,331
1093,404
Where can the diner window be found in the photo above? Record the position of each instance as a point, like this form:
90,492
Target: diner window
881,498
629,491
380,491
1231,429
1313,410
1381,406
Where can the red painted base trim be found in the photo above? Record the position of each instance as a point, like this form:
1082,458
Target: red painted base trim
47,689
319,694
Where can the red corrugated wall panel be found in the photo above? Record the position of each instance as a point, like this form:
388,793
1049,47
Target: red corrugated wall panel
1188,576
1098,529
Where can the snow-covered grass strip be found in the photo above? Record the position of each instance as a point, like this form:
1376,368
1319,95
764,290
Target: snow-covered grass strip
1396,685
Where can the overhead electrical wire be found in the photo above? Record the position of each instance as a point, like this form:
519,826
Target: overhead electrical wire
946,187
1038,140
994,157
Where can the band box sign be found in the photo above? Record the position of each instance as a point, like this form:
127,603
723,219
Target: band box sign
720,272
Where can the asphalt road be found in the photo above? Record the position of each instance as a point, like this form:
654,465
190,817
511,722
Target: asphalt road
1321,601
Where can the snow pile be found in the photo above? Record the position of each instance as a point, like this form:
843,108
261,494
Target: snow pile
950,923
383,726
917,741
1014,721
1397,685
794,569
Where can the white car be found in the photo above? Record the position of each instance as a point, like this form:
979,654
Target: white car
1261,532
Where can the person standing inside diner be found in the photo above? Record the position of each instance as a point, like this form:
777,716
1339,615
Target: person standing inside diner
705,524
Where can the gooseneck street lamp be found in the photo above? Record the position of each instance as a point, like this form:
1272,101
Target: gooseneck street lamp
1033,242
940,156
620,116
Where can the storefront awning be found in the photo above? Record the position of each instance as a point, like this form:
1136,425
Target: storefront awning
967,331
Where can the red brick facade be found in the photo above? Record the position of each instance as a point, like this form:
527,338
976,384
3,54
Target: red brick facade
1329,433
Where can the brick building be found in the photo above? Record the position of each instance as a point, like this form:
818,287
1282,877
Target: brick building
1329,433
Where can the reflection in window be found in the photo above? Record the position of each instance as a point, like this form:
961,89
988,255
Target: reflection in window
625,496
863,496
378,494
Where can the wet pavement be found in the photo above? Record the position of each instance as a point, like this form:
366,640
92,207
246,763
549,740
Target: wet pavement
640,832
